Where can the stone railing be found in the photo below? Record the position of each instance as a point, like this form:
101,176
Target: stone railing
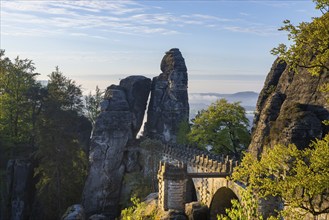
196,157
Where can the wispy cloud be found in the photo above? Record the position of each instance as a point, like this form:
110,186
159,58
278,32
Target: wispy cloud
253,29
44,18
276,4
244,14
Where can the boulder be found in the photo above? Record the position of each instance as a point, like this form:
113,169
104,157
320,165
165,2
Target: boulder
196,211
168,105
173,215
151,197
290,109
98,217
74,212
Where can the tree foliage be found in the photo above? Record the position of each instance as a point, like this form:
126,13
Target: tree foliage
17,106
299,177
246,209
42,121
140,211
62,162
224,126
93,105
64,93
184,129
310,43
322,5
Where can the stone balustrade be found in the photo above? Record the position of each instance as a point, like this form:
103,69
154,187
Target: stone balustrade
196,157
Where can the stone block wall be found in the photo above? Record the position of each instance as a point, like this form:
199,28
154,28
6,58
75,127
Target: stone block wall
172,186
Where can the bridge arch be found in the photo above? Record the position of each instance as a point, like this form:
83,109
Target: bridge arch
221,201
217,193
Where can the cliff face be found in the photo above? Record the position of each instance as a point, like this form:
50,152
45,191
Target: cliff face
168,106
114,150
290,109
20,190
121,118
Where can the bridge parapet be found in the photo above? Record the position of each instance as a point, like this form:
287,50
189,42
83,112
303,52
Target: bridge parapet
196,157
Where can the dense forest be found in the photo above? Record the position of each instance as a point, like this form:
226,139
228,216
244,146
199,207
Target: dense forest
45,123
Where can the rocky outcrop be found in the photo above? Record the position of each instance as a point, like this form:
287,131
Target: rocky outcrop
116,127
168,106
173,215
74,212
20,189
196,211
137,90
290,109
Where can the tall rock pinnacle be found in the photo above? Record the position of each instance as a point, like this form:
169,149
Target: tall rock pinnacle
169,105
120,120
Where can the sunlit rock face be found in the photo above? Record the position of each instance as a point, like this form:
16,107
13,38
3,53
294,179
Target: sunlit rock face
169,105
121,118
290,109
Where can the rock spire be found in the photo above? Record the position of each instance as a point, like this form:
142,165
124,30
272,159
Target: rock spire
169,105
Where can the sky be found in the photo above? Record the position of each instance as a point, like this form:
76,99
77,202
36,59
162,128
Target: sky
226,44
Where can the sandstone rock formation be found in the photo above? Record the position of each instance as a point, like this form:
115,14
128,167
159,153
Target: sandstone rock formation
20,189
121,118
196,211
137,90
169,99
290,109
74,212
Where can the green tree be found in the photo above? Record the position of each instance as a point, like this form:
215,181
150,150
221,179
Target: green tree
224,126
93,105
184,129
299,177
16,80
310,43
64,92
62,162
246,209
139,211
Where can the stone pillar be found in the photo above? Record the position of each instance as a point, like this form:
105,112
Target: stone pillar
172,186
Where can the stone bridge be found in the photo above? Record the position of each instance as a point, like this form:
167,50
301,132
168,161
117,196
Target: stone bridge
187,174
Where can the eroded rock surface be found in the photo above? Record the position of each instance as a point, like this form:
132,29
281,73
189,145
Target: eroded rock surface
74,212
196,211
115,128
137,92
169,105
290,109
20,189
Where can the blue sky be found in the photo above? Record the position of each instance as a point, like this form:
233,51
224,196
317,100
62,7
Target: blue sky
225,44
